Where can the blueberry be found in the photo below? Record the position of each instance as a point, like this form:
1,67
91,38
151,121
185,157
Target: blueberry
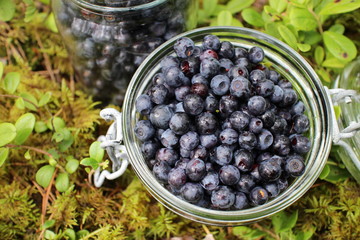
181,163
240,87
270,170
144,130
211,104
211,181
228,136
177,177
264,139
278,94
158,28
239,120
284,83
246,183
247,140
268,118
190,66
160,116
185,153
200,89
240,53
208,141
257,105
229,175
228,105
223,197
189,140
192,192
181,92
295,165
263,156
220,85
193,104
237,71
174,76
168,155
279,126
290,97
223,155
199,152
274,76
281,145
256,76
256,54
209,54
265,88
243,160
225,65
149,149
179,123
184,47
211,42
282,184
300,144
255,125
158,94
241,201
169,139
258,196
169,61
272,189
226,50
143,104
198,78
161,171
206,123
255,174
88,49
301,123
158,133
243,62
209,67
297,108
179,107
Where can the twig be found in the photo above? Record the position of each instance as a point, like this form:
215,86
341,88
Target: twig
46,58
14,96
317,20
30,148
258,226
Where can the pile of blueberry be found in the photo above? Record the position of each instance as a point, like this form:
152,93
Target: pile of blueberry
220,129
106,48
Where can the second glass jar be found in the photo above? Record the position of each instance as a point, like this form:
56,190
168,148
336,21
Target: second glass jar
107,44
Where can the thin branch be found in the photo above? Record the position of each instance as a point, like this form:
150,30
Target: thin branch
46,58
14,96
258,226
317,20
30,148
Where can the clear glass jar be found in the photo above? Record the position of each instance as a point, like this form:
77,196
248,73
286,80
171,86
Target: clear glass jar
280,57
107,44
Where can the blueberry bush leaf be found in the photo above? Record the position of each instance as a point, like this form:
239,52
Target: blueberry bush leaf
24,127
44,175
235,6
62,182
283,222
90,162
7,133
252,17
339,6
278,5
287,35
224,18
340,46
7,10
4,153
11,82
319,55
96,151
302,19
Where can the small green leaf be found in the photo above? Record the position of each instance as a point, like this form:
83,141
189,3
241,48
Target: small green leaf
312,37
62,182
340,46
337,110
30,10
339,6
336,174
20,103
324,75
52,162
82,233
288,36
72,165
24,127
57,123
252,17
283,222
7,133
31,102
236,23
305,235
11,81
4,153
337,28
1,69
70,233
210,6
50,23
302,19
45,99
96,151
90,162
48,224
278,5
58,137
333,63
44,175
224,18
27,155
304,47
7,10
248,233
50,235
40,127
271,28
235,6
325,172
319,55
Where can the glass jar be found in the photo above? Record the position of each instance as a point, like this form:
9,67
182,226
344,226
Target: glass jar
278,56
107,43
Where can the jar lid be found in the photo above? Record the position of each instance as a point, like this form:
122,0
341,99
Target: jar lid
347,103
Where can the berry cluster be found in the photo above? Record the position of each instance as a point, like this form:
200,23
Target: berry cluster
106,49
220,129
119,3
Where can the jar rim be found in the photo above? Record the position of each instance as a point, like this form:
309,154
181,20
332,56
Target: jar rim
319,153
100,8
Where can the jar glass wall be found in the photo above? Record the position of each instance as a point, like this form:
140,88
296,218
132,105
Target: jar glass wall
277,56
106,43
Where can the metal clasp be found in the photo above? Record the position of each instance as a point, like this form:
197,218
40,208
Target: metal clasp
112,143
